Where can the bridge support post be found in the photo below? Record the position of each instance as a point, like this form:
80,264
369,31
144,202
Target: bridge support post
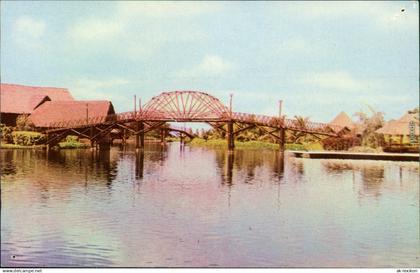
92,145
137,136
230,136
282,140
162,136
181,139
140,136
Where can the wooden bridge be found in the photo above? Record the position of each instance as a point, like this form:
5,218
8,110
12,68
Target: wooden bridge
181,106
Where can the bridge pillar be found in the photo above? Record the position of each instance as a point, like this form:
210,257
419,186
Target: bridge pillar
140,136
181,135
104,143
230,136
92,144
282,140
162,136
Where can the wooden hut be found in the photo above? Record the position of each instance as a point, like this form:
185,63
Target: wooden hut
348,134
401,134
17,99
61,111
343,120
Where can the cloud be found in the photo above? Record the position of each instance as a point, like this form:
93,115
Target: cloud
211,65
30,27
337,80
295,45
94,89
29,31
383,14
165,9
137,30
96,30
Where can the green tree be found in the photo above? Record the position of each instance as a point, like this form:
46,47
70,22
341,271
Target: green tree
368,123
23,123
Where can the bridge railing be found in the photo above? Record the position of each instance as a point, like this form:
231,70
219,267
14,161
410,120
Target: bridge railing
263,120
291,124
91,121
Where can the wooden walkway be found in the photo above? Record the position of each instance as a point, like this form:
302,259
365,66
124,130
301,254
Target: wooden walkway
350,155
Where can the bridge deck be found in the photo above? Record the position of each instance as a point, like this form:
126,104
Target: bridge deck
261,120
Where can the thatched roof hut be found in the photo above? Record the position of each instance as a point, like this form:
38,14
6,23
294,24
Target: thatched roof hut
21,99
17,99
401,127
343,120
59,111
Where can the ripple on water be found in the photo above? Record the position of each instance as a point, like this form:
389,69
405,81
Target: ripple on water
198,207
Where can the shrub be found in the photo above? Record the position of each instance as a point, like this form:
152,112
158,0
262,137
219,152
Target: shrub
295,147
316,146
72,142
27,138
23,123
6,134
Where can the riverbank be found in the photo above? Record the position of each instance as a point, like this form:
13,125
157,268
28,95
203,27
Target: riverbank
16,146
352,155
252,145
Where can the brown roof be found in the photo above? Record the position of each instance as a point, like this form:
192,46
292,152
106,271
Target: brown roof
343,120
57,111
400,126
23,99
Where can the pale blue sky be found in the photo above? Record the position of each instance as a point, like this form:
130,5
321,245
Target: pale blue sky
319,57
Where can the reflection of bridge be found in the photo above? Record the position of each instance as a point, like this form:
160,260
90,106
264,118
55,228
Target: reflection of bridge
181,106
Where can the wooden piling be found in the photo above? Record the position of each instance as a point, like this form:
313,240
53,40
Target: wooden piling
282,140
230,136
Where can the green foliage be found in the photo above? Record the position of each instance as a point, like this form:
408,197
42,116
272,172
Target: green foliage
27,138
72,142
295,147
251,145
23,123
314,146
6,134
222,143
368,125
16,146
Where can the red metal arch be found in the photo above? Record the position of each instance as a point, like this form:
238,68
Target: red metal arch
185,106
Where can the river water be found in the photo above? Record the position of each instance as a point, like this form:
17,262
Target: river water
198,207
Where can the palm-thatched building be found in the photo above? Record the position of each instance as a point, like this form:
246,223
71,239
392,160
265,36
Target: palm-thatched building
17,99
402,131
55,112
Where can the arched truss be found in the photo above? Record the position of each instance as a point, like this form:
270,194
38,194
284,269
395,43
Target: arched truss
185,106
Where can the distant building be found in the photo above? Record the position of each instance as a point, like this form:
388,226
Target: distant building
343,120
17,99
401,128
62,111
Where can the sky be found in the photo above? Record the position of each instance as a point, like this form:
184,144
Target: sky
320,58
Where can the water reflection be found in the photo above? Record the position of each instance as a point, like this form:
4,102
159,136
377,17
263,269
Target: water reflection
139,164
166,206
373,178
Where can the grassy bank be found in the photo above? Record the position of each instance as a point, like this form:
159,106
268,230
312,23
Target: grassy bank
72,142
253,145
72,145
17,146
